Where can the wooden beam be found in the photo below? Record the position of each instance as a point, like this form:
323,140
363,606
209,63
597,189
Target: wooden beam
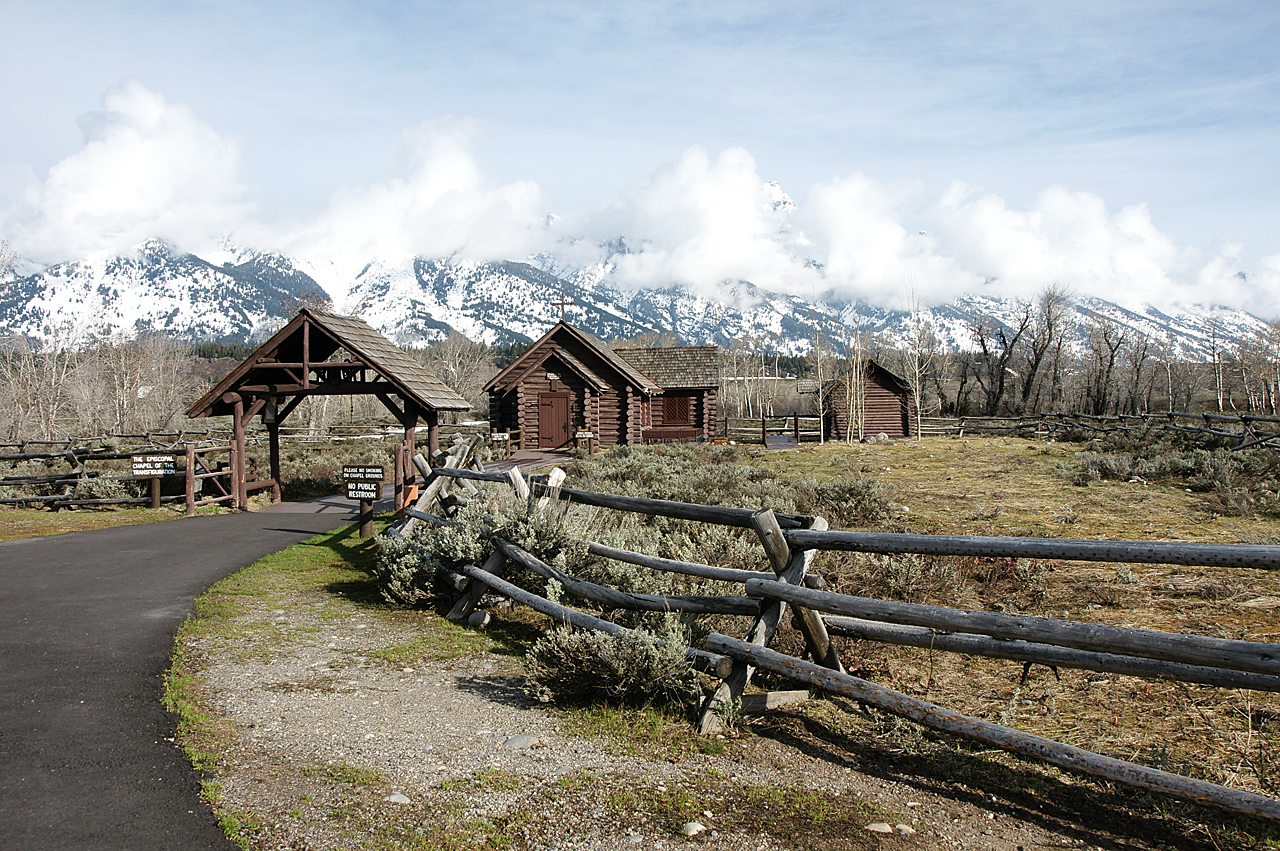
288,408
761,633
1046,654
614,599
475,589
1259,556
238,466
323,388
704,571
391,406
433,431
1236,655
1006,738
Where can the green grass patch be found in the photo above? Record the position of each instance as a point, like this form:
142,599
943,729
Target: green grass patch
487,780
654,732
22,523
440,640
341,772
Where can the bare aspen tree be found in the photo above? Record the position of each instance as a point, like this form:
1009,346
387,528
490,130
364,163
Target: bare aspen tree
921,350
1166,351
1215,357
822,408
464,365
855,382
1268,346
1137,362
1106,339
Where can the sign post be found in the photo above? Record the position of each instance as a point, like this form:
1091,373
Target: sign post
153,467
364,483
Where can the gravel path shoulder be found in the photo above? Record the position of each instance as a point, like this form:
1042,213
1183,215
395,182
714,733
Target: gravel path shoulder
334,740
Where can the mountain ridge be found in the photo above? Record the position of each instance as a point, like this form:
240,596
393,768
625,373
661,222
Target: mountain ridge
417,300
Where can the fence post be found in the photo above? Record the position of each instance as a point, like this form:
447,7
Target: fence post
790,567
191,480
795,426
398,478
764,431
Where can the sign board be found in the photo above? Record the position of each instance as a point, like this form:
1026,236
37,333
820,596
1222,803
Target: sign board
363,482
371,491
806,386
584,435
152,466
500,435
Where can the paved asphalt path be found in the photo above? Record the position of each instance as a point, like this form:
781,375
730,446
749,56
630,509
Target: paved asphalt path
86,627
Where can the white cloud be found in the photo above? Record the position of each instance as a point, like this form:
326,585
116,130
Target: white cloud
701,222
148,168
435,205
866,251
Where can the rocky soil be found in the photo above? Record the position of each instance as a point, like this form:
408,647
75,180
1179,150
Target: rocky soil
334,737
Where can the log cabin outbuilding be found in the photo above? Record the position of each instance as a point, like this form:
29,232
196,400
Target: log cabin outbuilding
570,382
888,407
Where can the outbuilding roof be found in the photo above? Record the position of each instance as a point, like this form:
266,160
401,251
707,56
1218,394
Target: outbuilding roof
677,367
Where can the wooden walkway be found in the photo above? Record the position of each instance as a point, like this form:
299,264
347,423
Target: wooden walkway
531,459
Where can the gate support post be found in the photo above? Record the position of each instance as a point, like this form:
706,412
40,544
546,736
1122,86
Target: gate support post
239,468
191,480
433,433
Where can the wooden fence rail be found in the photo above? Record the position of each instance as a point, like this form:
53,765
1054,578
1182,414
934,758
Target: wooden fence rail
1062,755
1226,653
790,542
1255,556
1246,430
800,427
1051,655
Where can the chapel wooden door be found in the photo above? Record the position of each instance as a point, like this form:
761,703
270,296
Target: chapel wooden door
553,420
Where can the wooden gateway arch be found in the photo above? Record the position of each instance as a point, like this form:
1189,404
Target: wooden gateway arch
319,354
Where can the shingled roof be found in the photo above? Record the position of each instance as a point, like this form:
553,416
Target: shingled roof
325,334
678,367
535,351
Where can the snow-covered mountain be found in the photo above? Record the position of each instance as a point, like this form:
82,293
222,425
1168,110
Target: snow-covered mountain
238,295
156,288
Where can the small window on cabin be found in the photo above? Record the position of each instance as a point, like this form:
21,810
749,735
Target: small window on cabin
675,410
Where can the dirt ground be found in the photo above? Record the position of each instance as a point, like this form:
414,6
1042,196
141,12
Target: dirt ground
329,719
323,724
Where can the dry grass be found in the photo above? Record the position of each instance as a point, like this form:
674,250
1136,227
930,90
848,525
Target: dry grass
955,486
1006,486
16,523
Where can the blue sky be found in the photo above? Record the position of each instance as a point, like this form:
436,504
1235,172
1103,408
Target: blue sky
1171,105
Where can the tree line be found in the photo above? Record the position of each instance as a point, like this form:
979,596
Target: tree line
1047,357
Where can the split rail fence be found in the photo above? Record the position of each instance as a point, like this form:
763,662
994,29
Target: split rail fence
791,541
77,454
208,483
799,427
1244,430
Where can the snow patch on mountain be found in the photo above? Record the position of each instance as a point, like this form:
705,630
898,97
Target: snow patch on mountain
236,293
